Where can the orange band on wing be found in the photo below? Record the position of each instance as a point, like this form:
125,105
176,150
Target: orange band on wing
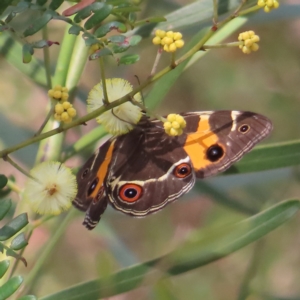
197,143
103,169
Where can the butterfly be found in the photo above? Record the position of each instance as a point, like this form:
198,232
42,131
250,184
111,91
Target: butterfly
142,171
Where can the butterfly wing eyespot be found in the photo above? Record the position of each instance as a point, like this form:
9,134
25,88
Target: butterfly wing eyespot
215,152
92,186
183,170
130,192
244,128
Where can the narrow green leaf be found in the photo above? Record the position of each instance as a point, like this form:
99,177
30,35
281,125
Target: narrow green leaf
134,40
3,181
38,24
28,297
98,17
55,4
5,205
119,48
201,248
4,4
41,2
117,39
10,287
27,52
99,53
129,59
86,12
75,29
19,242
268,157
4,265
106,28
13,227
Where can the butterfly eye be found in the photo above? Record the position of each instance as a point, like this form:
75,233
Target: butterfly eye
182,170
85,172
244,128
93,186
130,192
214,153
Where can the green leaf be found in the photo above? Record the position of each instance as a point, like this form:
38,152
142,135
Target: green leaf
98,17
28,297
4,4
27,52
38,24
134,40
129,59
268,157
117,39
75,29
3,181
41,2
55,4
100,53
13,227
106,28
201,248
86,12
4,265
19,242
10,287
5,205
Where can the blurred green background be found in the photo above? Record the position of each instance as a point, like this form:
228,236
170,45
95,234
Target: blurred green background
267,82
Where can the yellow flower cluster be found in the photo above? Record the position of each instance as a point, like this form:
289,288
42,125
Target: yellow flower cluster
64,110
170,40
250,40
268,5
174,124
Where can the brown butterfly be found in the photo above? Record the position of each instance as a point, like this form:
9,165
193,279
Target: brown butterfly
141,172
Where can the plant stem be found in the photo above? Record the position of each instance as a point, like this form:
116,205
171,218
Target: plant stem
57,233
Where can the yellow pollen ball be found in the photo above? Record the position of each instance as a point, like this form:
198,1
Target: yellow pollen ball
171,117
173,132
156,40
66,105
170,34
59,109
276,4
57,117
254,47
167,125
71,112
166,48
51,93
179,43
175,125
57,94
172,47
167,41
177,36
261,3
64,96
65,89
58,87
246,50
267,9
160,33
65,117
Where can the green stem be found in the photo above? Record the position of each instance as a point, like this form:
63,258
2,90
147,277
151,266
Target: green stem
47,62
57,234
15,165
103,79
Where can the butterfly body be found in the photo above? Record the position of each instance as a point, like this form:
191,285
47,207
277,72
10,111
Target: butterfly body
141,172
